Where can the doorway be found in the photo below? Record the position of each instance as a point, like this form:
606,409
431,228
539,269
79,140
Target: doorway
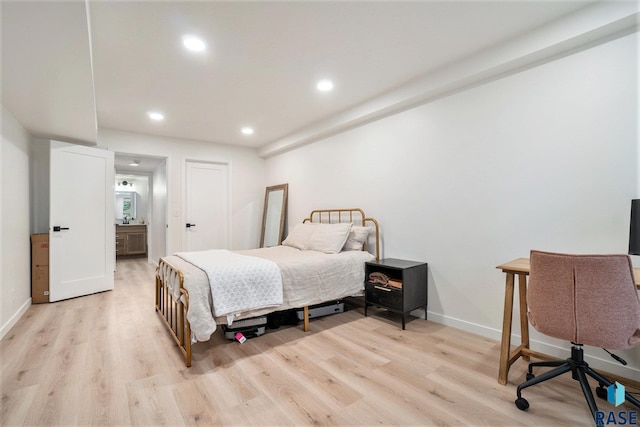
145,177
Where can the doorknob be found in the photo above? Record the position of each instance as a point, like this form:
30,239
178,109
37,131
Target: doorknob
190,225
58,228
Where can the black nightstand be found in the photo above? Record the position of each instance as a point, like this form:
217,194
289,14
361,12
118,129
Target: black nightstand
407,290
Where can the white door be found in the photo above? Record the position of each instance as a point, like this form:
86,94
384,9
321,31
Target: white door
81,223
206,206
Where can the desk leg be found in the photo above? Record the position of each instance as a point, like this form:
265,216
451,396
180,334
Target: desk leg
503,370
524,321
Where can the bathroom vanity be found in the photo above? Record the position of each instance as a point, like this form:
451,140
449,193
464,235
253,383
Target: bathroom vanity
131,239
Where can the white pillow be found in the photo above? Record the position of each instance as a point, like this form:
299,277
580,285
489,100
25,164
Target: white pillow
299,236
329,238
357,237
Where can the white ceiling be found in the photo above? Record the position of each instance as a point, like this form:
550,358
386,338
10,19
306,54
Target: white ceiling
146,164
64,75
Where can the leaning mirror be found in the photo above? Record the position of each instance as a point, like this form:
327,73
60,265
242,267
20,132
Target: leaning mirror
275,210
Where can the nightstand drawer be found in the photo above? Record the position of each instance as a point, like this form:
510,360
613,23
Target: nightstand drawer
384,296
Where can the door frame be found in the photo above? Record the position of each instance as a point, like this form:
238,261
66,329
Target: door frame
185,161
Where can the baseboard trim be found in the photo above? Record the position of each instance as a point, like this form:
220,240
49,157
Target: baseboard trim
474,328
14,319
611,367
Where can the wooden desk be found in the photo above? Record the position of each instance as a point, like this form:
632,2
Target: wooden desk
520,267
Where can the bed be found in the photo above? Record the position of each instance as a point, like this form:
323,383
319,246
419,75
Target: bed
322,259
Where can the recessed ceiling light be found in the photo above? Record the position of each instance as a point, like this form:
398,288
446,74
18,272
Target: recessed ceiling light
193,43
325,85
154,115
247,130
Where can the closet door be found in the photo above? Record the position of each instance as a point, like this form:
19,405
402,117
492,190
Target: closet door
206,206
81,221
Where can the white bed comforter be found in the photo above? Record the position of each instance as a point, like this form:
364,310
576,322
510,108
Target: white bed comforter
239,283
308,277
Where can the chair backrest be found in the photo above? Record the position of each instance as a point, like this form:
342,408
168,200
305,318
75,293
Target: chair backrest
586,299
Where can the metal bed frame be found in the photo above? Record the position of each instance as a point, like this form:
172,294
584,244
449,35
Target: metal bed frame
174,312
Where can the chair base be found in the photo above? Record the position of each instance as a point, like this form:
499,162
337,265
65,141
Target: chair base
579,370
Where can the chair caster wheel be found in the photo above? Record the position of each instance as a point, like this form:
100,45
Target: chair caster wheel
601,392
530,376
522,403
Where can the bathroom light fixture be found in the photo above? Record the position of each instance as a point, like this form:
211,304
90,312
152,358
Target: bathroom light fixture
135,163
247,130
155,116
193,43
325,85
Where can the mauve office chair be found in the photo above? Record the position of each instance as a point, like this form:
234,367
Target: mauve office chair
587,300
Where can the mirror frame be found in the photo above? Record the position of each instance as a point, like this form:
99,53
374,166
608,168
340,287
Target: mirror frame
283,211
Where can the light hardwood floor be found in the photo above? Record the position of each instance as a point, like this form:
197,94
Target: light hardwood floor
106,359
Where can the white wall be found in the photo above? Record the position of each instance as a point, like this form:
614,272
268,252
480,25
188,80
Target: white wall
15,247
546,159
40,171
247,180
158,220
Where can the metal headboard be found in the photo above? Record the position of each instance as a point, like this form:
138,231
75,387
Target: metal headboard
353,215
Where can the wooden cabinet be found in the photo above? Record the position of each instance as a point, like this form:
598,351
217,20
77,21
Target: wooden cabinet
405,291
131,240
